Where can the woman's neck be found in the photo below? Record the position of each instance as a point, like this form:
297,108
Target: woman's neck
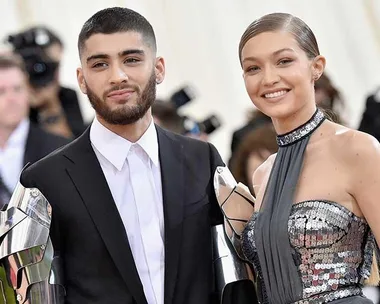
287,124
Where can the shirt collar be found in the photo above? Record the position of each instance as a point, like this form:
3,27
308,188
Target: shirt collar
115,148
149,142
20,134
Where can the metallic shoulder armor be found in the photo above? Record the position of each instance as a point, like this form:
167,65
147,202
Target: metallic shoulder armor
29,271
237,205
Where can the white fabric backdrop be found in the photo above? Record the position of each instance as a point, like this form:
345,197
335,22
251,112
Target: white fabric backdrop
199,40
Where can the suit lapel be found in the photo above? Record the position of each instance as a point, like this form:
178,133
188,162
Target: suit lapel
171,161
88,177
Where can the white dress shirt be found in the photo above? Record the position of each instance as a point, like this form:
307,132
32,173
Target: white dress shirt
12,156
132,171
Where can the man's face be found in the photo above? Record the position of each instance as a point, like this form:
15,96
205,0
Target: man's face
14,104
119,73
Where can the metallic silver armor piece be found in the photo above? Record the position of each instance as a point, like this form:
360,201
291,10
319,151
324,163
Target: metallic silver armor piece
237,205
229,268
29,271
234,200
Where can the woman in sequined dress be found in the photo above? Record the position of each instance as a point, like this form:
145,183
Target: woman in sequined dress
318,199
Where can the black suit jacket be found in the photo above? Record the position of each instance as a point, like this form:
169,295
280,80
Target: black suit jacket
40,143
89,234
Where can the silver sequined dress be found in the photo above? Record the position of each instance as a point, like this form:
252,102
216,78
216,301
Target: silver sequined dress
330,250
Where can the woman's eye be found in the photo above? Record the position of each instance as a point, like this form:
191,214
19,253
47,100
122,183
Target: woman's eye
285,61
252,69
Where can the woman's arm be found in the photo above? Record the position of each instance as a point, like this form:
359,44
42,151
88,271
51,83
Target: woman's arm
364,159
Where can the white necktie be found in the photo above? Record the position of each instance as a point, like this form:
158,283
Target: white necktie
151,265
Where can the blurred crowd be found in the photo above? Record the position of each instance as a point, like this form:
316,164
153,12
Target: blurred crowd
37,114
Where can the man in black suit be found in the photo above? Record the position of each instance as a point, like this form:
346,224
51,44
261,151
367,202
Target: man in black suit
21,142
133,204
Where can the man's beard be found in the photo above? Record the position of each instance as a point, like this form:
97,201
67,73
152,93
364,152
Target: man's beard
127,114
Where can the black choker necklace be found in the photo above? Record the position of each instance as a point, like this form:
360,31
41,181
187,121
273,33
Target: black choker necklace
302,131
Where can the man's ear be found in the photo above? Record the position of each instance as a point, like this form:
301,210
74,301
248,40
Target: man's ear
160,69
81,81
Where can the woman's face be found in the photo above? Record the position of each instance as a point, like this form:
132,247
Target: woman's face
278,75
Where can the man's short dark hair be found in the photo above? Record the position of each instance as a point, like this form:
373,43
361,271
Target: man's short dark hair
115,20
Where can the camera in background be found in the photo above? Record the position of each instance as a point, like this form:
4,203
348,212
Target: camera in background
30,45
182,97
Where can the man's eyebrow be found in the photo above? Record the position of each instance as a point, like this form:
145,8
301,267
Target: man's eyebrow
97,56
132,52
121,54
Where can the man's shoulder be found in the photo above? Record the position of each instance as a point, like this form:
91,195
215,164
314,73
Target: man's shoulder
195,150
52,162
40,143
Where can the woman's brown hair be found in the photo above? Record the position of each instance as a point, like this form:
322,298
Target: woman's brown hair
286,22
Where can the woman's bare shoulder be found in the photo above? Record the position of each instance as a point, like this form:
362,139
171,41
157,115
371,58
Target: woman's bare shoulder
355,146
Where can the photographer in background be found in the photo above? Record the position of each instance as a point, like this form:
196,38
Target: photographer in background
165,115
21,141
53,107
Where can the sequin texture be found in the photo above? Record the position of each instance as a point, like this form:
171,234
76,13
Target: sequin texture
334,249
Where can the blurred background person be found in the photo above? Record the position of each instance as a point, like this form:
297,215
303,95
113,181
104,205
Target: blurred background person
370,121
255,120
166,114
21,141
255,147
54,107
329,98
